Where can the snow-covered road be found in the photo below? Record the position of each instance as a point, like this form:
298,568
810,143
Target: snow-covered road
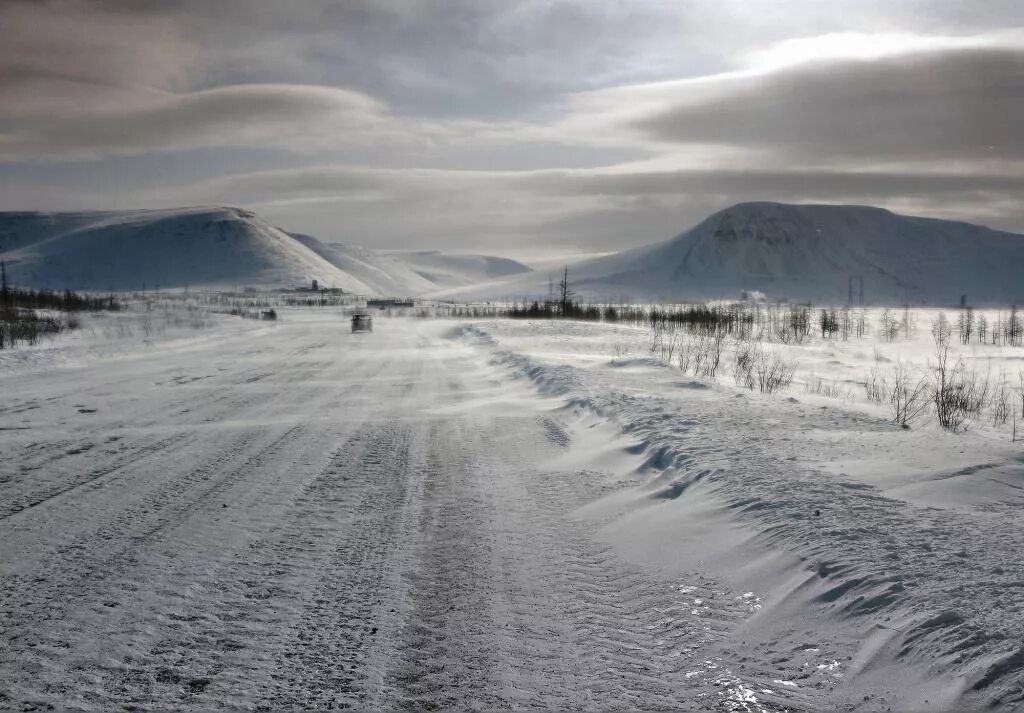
295,517
301,517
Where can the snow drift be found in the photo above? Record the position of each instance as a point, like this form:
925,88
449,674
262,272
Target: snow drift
807,252
214,247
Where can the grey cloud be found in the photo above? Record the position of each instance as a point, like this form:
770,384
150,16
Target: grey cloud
954,104
75,41
585,210
286,116
388,83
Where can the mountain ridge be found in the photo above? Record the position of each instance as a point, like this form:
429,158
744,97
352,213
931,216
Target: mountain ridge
806,252
209,246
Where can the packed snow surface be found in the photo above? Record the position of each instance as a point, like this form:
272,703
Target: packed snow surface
805,252
484,515
215,247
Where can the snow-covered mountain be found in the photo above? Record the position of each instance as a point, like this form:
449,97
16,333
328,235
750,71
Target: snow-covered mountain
412,273
807,252
214,247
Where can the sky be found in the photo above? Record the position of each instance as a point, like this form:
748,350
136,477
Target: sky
536,129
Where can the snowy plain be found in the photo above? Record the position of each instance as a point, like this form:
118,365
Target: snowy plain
488,514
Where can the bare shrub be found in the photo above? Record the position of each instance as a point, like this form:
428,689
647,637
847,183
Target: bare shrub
773,372
965,324
620,350
875,385
712,355
1001,407
794,326
701,356
768,372
685,356
907,323
888,326
743,363
657,335
825,387
958,393
910,394
669,345
941,329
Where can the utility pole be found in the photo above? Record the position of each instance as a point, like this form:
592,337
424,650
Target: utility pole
566,292
4,293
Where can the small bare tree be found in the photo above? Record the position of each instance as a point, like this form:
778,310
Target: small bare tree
876,387
1001,402
941,329
888,326
958,394
910,394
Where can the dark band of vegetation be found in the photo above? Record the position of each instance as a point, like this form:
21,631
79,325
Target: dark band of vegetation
26,315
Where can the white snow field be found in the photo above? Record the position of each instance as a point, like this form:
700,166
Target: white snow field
454,514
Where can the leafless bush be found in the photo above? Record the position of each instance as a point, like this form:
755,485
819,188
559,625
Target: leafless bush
620,350
980,391
1001,397
965,324
956,392
743,362
123,328
888,326
824,387
794,326
712,355
767,372
907,323
701,356
669,344
875,385
910,394
773,372
657,335
941,329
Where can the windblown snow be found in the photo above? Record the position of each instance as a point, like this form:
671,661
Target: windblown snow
805,252
484,515
215,247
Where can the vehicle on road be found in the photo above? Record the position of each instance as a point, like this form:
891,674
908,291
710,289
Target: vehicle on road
362,322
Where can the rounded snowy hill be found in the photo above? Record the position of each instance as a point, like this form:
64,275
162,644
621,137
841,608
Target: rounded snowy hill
394,272
215,247
812,251
224,247
808,252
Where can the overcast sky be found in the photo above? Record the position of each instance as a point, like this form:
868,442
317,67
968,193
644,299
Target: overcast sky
532,128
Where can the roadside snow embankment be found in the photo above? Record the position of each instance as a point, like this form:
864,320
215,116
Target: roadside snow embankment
892,555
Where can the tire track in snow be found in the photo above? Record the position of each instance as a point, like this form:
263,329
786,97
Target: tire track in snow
93,478
354,507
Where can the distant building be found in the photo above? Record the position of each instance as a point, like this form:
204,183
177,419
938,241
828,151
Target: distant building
381,303
316,286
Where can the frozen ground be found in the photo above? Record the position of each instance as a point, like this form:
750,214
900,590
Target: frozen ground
484,515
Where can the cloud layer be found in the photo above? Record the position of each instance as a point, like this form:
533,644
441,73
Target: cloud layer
516,126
